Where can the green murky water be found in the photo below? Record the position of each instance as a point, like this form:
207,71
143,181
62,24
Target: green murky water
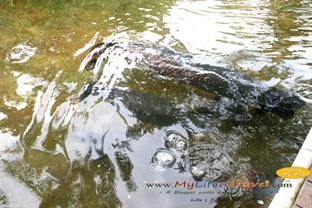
57,151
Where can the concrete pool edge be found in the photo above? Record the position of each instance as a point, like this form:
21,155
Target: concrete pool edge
286,196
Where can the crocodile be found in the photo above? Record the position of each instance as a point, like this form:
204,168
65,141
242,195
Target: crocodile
235,87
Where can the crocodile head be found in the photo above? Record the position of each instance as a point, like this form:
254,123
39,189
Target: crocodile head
279,102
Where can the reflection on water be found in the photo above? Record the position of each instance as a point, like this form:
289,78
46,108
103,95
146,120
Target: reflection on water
20,54
66,145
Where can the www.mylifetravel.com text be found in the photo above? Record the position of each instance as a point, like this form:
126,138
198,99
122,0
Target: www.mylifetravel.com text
212,184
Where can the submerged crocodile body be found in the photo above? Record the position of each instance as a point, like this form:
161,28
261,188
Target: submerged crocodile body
242,91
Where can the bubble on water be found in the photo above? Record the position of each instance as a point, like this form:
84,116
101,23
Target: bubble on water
181,145
208,160
175,140
164,158
197,171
